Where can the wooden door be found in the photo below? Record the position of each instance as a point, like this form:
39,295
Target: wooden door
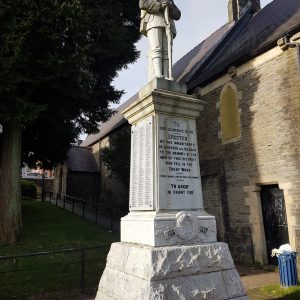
274,217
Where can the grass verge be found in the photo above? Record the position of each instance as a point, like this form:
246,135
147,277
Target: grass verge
47,228
291,293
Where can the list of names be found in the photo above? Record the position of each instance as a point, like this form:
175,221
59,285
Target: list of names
141,179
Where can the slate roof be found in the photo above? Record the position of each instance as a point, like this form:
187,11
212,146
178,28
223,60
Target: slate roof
81,159
230,45
189,64
248,38
114,122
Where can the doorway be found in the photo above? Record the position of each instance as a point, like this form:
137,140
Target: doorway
274,217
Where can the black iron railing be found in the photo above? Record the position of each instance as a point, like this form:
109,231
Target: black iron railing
37,274
97,213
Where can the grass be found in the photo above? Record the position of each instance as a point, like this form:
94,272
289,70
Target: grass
48,228
291,293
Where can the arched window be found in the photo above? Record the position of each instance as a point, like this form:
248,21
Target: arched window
229,113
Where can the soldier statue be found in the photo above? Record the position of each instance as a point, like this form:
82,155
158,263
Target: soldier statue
157,23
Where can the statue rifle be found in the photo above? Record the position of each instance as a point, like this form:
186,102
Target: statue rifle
170,39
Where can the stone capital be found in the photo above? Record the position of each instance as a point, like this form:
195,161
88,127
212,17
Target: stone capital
165,97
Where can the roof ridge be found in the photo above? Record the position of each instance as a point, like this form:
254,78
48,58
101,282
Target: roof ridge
199,45
224,41
258,34
183,74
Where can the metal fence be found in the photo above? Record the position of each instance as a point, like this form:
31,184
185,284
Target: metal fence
36,275
97,213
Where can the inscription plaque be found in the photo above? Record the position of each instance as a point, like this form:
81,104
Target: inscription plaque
179,171
141,168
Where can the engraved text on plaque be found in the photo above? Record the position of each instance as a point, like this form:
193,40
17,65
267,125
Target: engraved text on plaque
179,171
141,169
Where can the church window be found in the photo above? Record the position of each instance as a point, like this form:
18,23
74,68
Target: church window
229,113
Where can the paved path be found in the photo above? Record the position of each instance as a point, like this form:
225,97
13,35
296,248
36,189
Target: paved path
253,279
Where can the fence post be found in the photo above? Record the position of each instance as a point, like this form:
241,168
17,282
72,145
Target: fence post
64,201
56,199
83,209
73,205
112,220
82,272
96,215
43,188
50,195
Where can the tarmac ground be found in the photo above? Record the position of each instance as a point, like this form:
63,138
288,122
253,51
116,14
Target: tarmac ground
253,279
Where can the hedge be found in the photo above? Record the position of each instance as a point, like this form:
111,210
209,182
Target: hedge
28,189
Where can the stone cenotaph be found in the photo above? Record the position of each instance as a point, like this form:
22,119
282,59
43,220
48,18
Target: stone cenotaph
168,247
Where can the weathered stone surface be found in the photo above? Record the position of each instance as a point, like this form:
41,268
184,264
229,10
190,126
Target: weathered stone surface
119,285
102,296
233,283
164,273
167,262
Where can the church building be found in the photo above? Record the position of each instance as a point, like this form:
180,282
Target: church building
248,75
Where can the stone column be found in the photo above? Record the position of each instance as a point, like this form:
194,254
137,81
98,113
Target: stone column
166,203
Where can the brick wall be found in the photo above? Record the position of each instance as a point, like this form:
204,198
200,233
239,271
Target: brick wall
267,152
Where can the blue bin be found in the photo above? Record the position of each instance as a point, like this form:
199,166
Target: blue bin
287,269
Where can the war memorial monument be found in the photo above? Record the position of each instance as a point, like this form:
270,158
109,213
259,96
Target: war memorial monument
168,247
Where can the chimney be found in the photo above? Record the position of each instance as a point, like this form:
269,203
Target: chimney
236,8
255,5
232,11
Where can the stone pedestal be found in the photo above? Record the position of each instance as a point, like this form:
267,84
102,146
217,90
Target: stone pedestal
168,246
135,272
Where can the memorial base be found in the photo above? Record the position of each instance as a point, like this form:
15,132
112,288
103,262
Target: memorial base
168,249
138,272
168,229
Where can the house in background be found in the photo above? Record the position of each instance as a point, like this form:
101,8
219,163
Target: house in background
28,172
79,176
247,73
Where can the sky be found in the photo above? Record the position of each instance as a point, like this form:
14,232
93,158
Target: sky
199,19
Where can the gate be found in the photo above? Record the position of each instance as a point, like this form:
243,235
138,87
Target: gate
274,217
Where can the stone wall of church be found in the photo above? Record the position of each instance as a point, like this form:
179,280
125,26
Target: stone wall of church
267,152
60,179
112,191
